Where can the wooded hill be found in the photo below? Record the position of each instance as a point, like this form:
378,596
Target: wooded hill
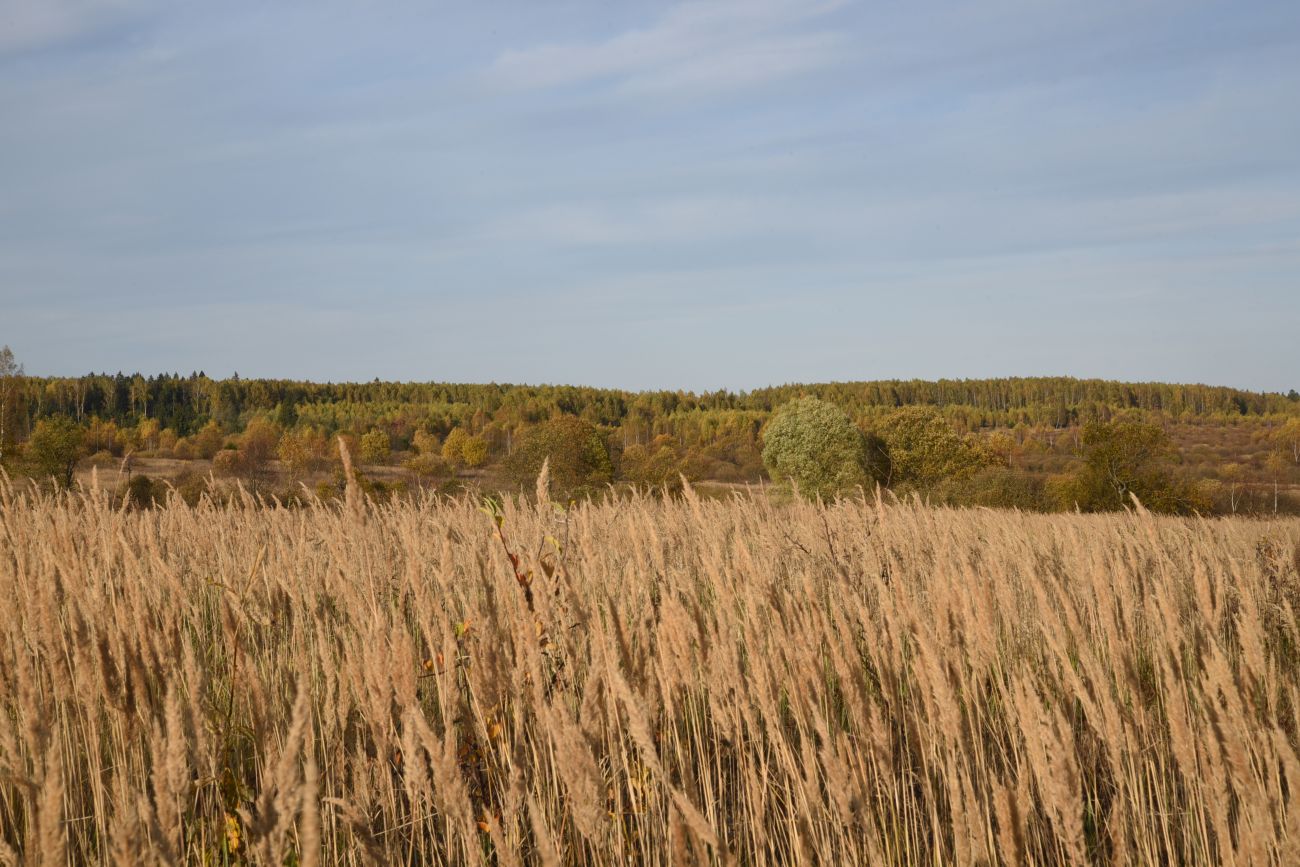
185,403
1014,436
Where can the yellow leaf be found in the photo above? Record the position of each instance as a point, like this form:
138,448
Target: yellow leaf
232,833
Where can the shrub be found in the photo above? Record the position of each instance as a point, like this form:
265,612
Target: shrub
923,449
54,449
190,487
453,448
167,441
302,451
376,447
140,492
208,441
579,458
656,466
257,446
996,487
426,443
427,466
1124,459
227,462
474,451
259,440
184,450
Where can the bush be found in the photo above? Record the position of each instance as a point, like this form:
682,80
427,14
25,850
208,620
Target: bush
923,450
302,451
208,441
996,487
1124,459
258,445
453,448
167,441
579,458
227,462
474,451
426,443
376,448
816,446
656,466
54,449
427,466
140,492
190,487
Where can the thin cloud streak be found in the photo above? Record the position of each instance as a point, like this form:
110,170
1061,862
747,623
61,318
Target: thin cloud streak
713,45
27,25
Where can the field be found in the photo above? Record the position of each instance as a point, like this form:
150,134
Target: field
645,681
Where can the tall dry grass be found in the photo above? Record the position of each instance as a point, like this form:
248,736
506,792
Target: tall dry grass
643,682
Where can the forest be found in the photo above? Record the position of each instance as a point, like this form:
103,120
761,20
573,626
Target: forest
1017,442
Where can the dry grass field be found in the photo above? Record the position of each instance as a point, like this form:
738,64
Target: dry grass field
643,682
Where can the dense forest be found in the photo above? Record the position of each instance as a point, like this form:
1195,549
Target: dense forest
185,403
1029,428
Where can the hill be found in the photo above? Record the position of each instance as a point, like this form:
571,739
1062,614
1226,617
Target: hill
1238,439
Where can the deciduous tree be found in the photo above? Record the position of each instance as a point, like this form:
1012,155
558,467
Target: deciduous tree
146,433
54,449
376,447
302,451
104,436
227,462
1288,438
257,447
453,448
815,445
10,374
427,465
579,458
209,440
426,443
474,451
924,450
1124,459
657,465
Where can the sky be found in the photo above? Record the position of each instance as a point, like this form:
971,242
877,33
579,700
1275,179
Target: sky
698,195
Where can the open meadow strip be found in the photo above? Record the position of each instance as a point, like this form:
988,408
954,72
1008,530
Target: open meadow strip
643,680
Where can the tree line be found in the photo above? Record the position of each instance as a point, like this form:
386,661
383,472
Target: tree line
954,440
185,403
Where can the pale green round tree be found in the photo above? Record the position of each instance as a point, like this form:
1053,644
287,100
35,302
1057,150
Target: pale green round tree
817,447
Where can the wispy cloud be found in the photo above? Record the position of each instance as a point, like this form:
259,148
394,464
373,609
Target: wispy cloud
31,24
708,44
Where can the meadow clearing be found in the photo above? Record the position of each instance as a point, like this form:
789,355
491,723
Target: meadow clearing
643,681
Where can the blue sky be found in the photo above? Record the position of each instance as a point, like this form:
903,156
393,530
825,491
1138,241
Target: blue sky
723,193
